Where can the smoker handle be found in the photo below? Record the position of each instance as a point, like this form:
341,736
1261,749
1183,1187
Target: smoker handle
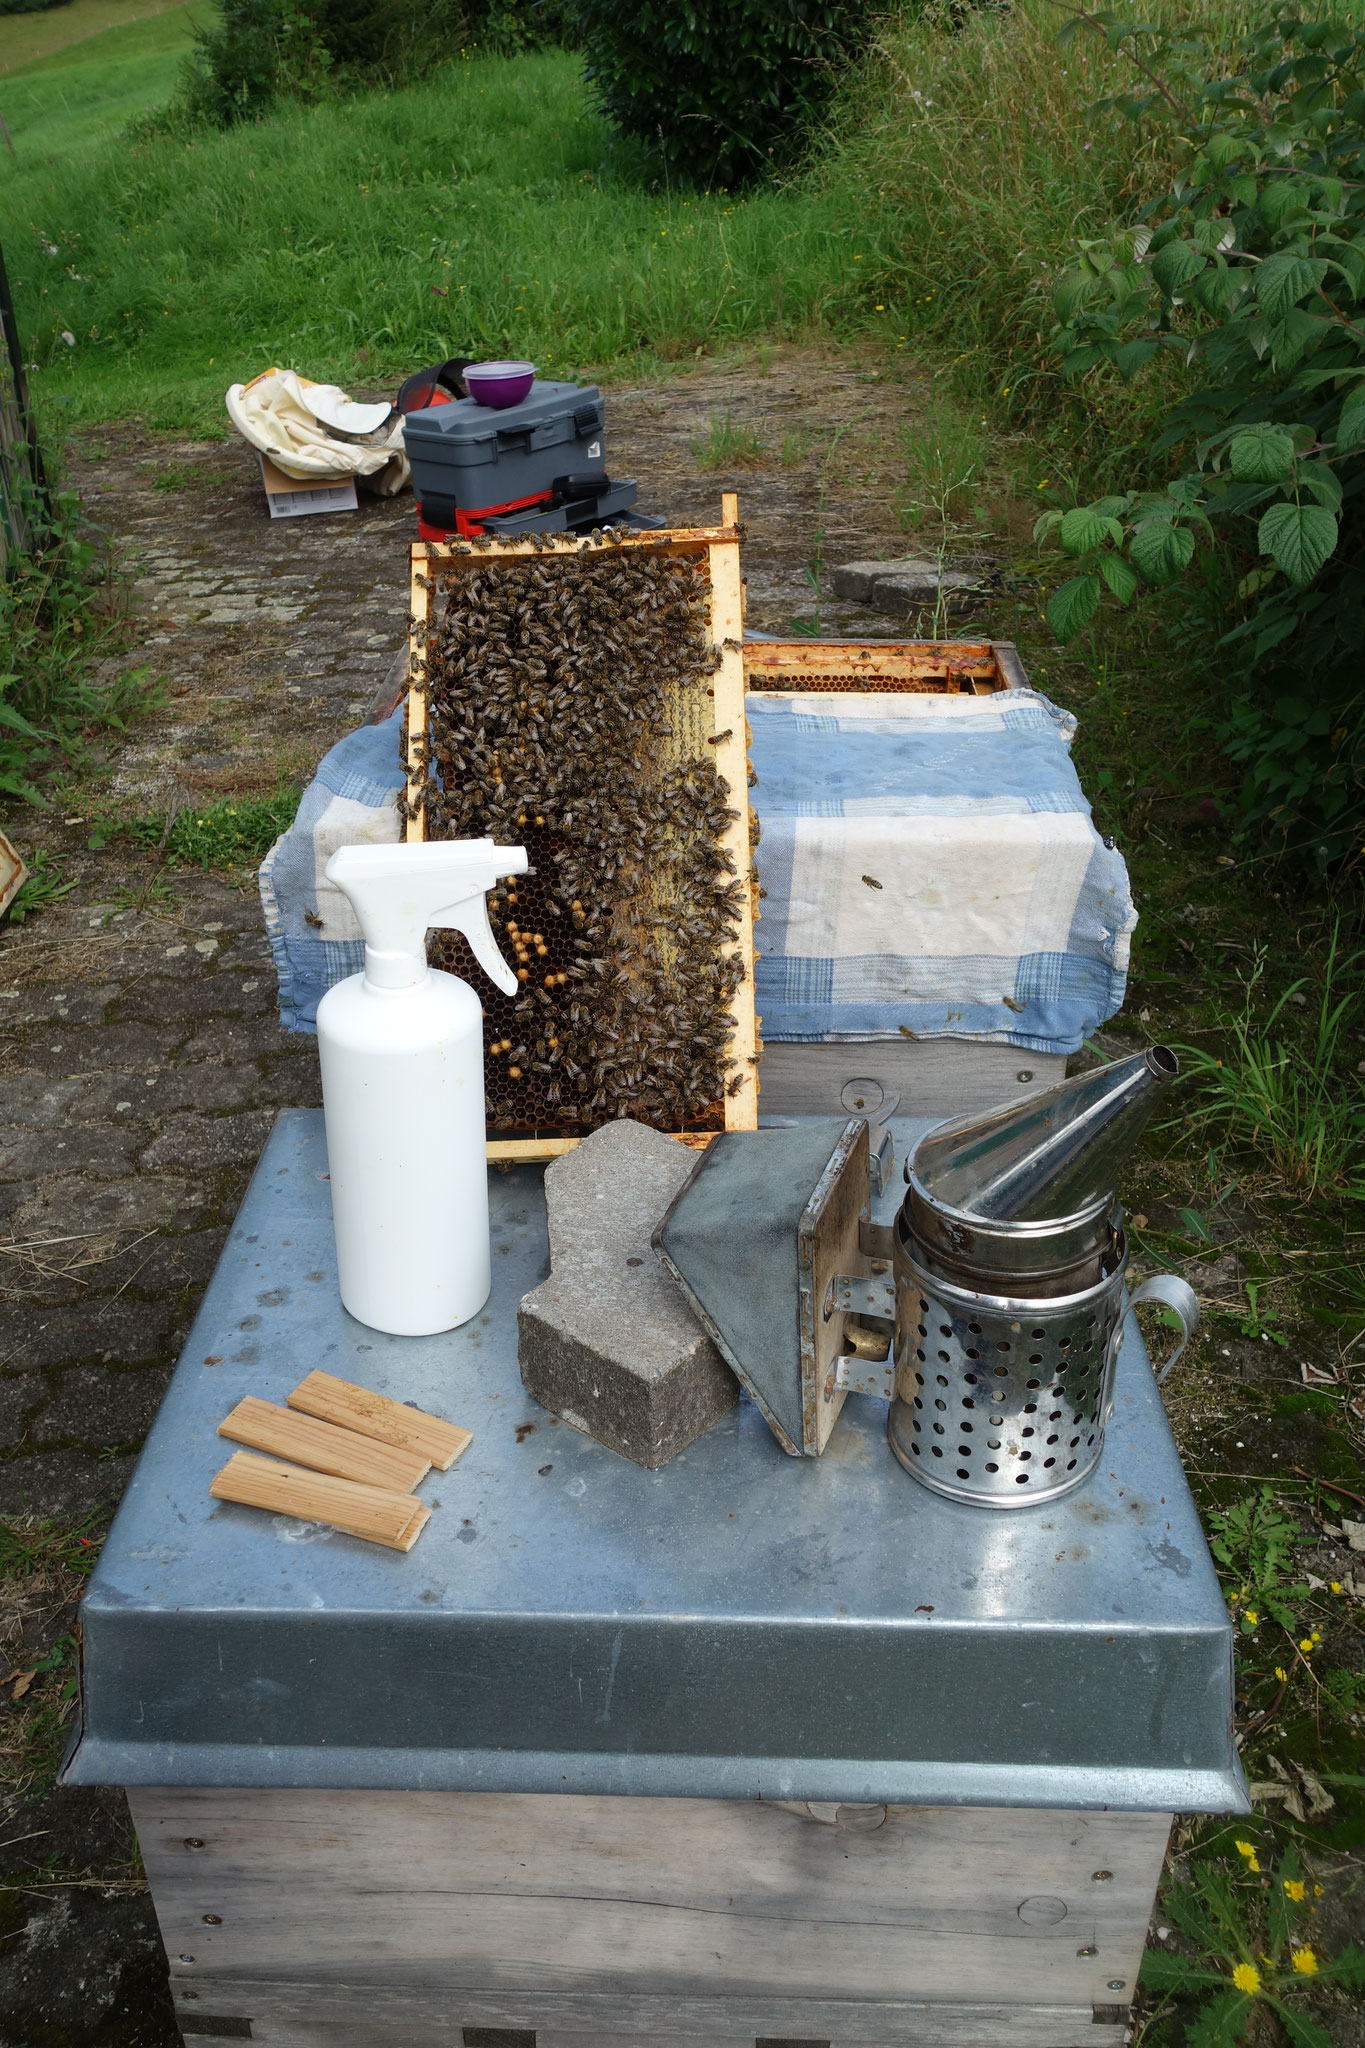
1172,1293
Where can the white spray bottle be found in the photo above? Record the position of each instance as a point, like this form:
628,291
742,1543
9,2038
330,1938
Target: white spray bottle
401,1049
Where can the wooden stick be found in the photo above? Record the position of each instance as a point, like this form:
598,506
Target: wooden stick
376,1415
732,762
418,773
394,1519
303,1440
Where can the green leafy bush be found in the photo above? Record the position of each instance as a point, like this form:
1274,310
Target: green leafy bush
1249,271
251,52
718,89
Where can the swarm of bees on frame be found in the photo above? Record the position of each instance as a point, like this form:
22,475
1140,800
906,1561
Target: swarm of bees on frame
569,710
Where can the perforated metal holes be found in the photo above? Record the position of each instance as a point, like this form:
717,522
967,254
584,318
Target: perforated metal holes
999,1407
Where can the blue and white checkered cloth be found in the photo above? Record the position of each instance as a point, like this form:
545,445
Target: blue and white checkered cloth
930,862
927,862
313,933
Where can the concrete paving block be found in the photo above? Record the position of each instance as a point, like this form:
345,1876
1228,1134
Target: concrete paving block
608,1341
903,585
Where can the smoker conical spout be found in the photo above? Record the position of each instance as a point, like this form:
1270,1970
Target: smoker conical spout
1056,1154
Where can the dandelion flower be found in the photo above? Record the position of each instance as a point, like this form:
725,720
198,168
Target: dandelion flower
1336,1585
1252,1616
1305,1962
1247,1978
1295,1889
1306,1645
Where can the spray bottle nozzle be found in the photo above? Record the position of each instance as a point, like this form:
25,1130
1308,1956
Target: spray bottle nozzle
399,892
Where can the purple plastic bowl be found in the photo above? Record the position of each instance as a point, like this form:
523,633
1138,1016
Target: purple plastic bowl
499,384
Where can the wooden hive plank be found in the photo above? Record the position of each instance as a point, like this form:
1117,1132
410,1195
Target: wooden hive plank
394,1520
324,1446
721,547
555,1902
375,1415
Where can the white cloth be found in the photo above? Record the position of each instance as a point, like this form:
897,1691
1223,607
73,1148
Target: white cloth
269,412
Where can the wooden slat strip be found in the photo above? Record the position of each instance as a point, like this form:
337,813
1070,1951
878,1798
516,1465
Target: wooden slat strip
394,1520
392,1422
521,1151
299,2014
420,601
323,1446
732,761
1013,674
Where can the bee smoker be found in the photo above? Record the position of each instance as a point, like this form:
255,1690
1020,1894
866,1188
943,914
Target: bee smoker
1009,1257
989,1314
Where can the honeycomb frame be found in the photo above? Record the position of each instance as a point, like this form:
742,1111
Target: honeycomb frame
728,737
936,668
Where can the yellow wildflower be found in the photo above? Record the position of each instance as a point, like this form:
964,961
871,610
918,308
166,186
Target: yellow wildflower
1280,1672
1317,1636
1252,1616
1305,1962
1306,1645
1295,1889
1336,1585
1247,1978
1248,1850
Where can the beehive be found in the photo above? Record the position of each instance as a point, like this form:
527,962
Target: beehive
636,971
974,668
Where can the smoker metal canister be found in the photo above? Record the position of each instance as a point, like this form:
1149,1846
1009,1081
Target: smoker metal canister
1000,1400
1008,1315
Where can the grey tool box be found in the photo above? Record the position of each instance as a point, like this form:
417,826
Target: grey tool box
469,458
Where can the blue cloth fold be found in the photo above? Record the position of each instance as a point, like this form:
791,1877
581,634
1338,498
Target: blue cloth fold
929,866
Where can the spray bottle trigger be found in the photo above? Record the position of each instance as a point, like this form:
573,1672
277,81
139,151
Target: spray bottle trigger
471,918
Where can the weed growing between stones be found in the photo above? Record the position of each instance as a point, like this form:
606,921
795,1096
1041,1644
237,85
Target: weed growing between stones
46,883
43,1569
62,618
235,832
729,444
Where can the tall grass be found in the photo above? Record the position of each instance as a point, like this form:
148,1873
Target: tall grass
1285,1091
965,152
488,209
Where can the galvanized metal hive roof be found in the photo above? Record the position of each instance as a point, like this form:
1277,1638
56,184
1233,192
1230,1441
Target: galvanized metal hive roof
740,1624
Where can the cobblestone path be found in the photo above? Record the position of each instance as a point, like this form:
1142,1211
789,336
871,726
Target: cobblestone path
141,1061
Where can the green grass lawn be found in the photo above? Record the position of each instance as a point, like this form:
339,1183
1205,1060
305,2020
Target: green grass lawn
43,38
74,100
485,210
